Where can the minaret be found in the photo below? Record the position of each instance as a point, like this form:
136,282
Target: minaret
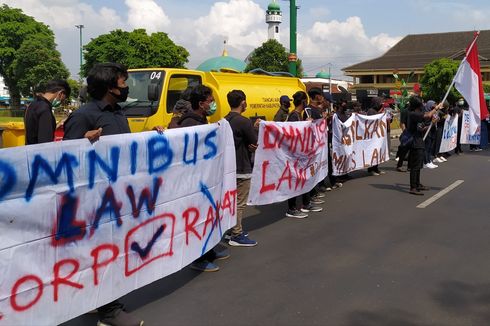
273,18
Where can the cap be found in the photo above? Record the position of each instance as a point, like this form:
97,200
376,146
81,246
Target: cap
328,97
284,98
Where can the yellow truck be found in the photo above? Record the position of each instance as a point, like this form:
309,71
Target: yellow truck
153,93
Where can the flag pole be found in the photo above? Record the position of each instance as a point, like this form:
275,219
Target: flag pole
454,79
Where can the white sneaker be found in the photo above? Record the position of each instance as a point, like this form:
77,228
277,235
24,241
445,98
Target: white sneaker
432,165
397,158
443,158
438,160
435,165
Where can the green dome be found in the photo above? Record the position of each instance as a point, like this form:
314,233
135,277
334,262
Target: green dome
274,6
323,74
223,62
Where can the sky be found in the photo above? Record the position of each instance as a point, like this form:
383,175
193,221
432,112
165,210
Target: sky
331,33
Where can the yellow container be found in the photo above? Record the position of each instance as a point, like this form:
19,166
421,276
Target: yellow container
13,134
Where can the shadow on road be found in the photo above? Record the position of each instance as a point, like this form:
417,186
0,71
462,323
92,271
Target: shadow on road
465,299
390,317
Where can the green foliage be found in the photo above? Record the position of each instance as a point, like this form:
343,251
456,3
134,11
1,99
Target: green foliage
134,49
486,88
271,56
28,54
75,88
437,77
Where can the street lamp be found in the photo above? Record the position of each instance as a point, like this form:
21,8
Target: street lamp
80,27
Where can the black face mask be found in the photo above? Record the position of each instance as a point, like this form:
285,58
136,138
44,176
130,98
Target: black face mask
124,91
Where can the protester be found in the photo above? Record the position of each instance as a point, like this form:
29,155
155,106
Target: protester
417,128
180,108
332,179
442,116
283,112
431,136
314,111
458,109
401,154
106,84
39,120
245,137
300,100
376,107
202,106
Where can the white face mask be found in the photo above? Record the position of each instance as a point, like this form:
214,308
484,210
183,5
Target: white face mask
460,103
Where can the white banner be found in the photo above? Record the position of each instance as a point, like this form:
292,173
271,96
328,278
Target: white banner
292,157
466,136
359,143
449,134
82,224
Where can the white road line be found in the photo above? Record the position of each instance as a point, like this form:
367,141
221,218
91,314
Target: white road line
440,194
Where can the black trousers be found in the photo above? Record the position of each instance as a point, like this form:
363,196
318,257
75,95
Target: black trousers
304,197
402,155
415,163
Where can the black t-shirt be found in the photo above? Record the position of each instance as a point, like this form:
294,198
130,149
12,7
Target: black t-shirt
416,128
244,134
95,115
39,122
294,116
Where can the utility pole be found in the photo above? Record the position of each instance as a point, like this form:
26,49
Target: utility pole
80,27
292,57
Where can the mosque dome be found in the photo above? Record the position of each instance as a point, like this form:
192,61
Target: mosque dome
274,6
323,74
223,62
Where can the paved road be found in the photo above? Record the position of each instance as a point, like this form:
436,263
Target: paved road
370,258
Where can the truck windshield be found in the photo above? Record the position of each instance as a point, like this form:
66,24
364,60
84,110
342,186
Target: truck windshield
137,104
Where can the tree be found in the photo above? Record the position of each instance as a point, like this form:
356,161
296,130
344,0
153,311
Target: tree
28,55
437,77
271,56
134,49
486,88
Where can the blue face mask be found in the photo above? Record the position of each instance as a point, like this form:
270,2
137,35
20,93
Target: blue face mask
212,108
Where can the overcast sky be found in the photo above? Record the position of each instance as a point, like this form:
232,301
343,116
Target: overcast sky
337,32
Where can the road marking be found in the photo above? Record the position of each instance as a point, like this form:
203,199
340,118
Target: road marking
440,194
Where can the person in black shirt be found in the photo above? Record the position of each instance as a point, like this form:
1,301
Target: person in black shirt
376,107
314,110
106,84
300,100
245,137
39,121
417,128
202,105
402,152
283,112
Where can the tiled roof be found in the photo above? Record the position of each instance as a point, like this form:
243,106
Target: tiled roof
415,51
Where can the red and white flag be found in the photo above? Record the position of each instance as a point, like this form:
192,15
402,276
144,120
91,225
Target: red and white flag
468,82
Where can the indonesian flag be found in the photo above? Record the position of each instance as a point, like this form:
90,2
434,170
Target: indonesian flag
468,82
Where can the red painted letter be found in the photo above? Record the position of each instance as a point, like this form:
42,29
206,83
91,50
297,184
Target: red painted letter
64,280
13,297
96,252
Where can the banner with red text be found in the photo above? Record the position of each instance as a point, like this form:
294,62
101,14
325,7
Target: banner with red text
359,143
290,160
82,225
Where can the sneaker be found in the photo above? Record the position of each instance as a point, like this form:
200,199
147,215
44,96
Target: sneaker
478,149
221,255
316,201
400,169
328,189
227,235
318,195
311,208
295,213
422,188
204,266
438,160
337,185
430,165
416,192
119,317
241,241
322,188
374,173
442,158
397,158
